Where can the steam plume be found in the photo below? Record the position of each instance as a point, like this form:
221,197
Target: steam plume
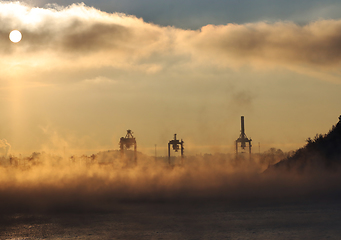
5,147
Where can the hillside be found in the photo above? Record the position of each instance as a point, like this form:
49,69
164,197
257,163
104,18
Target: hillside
321,153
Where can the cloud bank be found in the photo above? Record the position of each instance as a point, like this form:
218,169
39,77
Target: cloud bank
79,37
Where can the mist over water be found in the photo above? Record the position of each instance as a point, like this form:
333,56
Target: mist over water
101,183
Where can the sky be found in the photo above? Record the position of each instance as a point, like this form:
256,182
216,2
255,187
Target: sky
84,73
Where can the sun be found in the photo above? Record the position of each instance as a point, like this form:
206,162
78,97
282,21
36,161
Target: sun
15,36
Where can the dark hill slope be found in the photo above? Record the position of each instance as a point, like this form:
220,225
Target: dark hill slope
321,153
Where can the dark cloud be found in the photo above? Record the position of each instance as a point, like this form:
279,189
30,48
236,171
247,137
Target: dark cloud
78,36
315,44
94,37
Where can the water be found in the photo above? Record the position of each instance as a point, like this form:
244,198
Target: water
209,220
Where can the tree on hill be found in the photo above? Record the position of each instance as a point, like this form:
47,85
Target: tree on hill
321,153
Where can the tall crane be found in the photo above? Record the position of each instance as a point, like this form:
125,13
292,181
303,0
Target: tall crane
243,139
175,145
128,141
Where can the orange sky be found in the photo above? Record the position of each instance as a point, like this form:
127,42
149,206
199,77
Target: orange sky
80,77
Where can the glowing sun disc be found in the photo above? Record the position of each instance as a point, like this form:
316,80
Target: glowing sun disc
15,36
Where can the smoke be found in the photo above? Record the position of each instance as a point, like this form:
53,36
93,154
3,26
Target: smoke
102,182
5,147
82,37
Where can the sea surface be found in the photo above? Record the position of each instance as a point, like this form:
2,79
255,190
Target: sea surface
177,220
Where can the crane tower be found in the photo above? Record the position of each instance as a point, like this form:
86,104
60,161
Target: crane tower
126,142
175,145
243,139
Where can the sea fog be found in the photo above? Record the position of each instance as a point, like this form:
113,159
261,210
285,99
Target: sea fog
47,183
218,196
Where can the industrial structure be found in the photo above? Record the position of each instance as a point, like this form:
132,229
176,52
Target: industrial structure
175,145
127,142
243,139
